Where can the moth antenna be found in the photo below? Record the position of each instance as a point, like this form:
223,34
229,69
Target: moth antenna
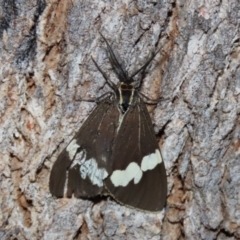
143,68
110,83
115,64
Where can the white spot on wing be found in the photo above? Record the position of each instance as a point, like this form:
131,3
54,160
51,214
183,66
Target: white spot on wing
96,175
134,172
150,161
123,177
72,148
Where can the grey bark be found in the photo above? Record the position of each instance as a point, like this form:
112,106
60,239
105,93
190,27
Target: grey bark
45,54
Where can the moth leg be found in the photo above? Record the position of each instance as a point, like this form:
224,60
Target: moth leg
96,100
149,100
110,83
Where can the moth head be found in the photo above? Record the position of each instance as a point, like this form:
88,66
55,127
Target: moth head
125,86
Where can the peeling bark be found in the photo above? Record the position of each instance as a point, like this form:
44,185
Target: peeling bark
45,54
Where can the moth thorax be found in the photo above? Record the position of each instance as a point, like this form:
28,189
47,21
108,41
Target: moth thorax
126,94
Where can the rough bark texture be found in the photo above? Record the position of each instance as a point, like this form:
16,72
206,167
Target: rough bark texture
45,54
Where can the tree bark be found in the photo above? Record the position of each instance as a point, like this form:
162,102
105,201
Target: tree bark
46,67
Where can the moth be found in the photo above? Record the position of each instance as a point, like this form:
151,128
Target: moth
115,152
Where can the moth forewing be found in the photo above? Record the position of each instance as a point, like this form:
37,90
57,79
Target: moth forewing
95,139
138,178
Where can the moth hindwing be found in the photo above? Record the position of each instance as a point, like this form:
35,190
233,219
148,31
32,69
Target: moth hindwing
115,152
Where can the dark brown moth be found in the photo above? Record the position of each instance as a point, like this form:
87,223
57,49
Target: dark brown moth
115,152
